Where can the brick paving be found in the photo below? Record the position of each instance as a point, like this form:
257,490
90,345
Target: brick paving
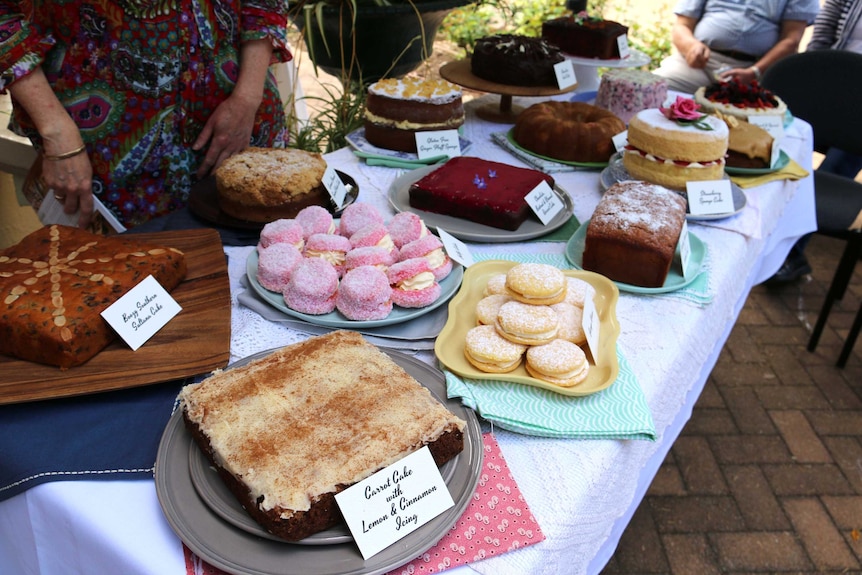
766,477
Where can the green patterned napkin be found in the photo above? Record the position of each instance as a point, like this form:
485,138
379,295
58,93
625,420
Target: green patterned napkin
563,233
618,412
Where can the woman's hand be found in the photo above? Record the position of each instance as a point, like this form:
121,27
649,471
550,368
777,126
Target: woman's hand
743,75
71,182
227,131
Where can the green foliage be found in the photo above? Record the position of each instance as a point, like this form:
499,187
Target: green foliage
336,115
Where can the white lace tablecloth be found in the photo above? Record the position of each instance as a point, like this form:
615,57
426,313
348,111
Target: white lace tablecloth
582,492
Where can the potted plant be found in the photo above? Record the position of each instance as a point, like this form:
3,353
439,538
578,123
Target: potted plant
361,41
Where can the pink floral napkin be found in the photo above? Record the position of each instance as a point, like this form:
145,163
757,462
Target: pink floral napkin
496,521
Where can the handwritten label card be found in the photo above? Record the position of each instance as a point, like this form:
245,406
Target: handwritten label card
591,324
394,502
685,250
772,124
565,72
438,143
455,248
709,197
623,45
621,140
141,312
545,202
336,188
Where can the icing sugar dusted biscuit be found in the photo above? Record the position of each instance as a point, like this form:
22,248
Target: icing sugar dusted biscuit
576,291
496,285
488,352
527,324
537,284
571,320
559,362
489,306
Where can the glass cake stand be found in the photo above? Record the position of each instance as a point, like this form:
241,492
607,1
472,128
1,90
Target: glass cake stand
587,69
458,72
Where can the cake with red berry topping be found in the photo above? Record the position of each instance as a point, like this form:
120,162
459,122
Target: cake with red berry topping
478,190
741,100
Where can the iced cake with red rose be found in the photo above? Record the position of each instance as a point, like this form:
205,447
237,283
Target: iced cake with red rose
674,145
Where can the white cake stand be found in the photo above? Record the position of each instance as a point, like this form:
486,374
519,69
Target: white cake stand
587,73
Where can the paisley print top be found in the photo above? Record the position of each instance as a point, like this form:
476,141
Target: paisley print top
141,77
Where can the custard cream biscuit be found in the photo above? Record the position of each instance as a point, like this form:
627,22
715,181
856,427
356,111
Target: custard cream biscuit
536,284
488,307
571,320
488,352
527,324
559,362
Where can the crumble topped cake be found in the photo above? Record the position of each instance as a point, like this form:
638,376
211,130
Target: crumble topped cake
290,430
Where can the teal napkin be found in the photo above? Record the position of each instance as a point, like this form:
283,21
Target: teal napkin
618,412
561,234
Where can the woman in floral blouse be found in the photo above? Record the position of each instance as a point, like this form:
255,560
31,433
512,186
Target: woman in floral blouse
134,100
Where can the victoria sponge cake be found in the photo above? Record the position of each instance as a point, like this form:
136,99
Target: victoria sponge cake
290,430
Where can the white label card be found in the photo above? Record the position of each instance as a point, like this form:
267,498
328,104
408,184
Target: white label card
545,202
591,324
336,188
141,312
709,197
565,72
455,248
620,140
685,250
438,143
772,124
51,212
623,45
394,502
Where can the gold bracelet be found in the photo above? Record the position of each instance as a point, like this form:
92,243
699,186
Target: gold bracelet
67,155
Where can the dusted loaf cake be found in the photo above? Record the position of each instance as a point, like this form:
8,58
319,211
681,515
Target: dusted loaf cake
568,131
632,234
56,282
266,184
515,60
625,92
478,190
288,431
585,36
396,109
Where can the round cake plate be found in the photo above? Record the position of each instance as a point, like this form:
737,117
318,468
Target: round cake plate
459,72
241,553
616,172
399,198
203,202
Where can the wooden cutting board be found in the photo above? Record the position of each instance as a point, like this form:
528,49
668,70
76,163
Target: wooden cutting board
196,341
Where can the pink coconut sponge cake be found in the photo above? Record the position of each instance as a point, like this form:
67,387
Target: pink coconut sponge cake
275,265
282,231
406,227
375,256
413,283
315,220
431,248
330,247
312,287
374,235
357,216
364,294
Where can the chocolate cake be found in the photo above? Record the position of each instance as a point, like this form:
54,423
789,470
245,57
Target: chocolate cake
585,36
515,60
478,190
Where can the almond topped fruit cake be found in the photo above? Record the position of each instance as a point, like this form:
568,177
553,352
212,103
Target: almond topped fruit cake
290,430
56,282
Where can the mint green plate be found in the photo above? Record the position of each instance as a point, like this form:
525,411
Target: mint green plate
783,160
675,280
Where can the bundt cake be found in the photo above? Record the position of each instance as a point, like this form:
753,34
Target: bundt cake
568,131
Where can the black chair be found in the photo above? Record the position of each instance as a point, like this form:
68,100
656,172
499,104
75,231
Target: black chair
824,88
